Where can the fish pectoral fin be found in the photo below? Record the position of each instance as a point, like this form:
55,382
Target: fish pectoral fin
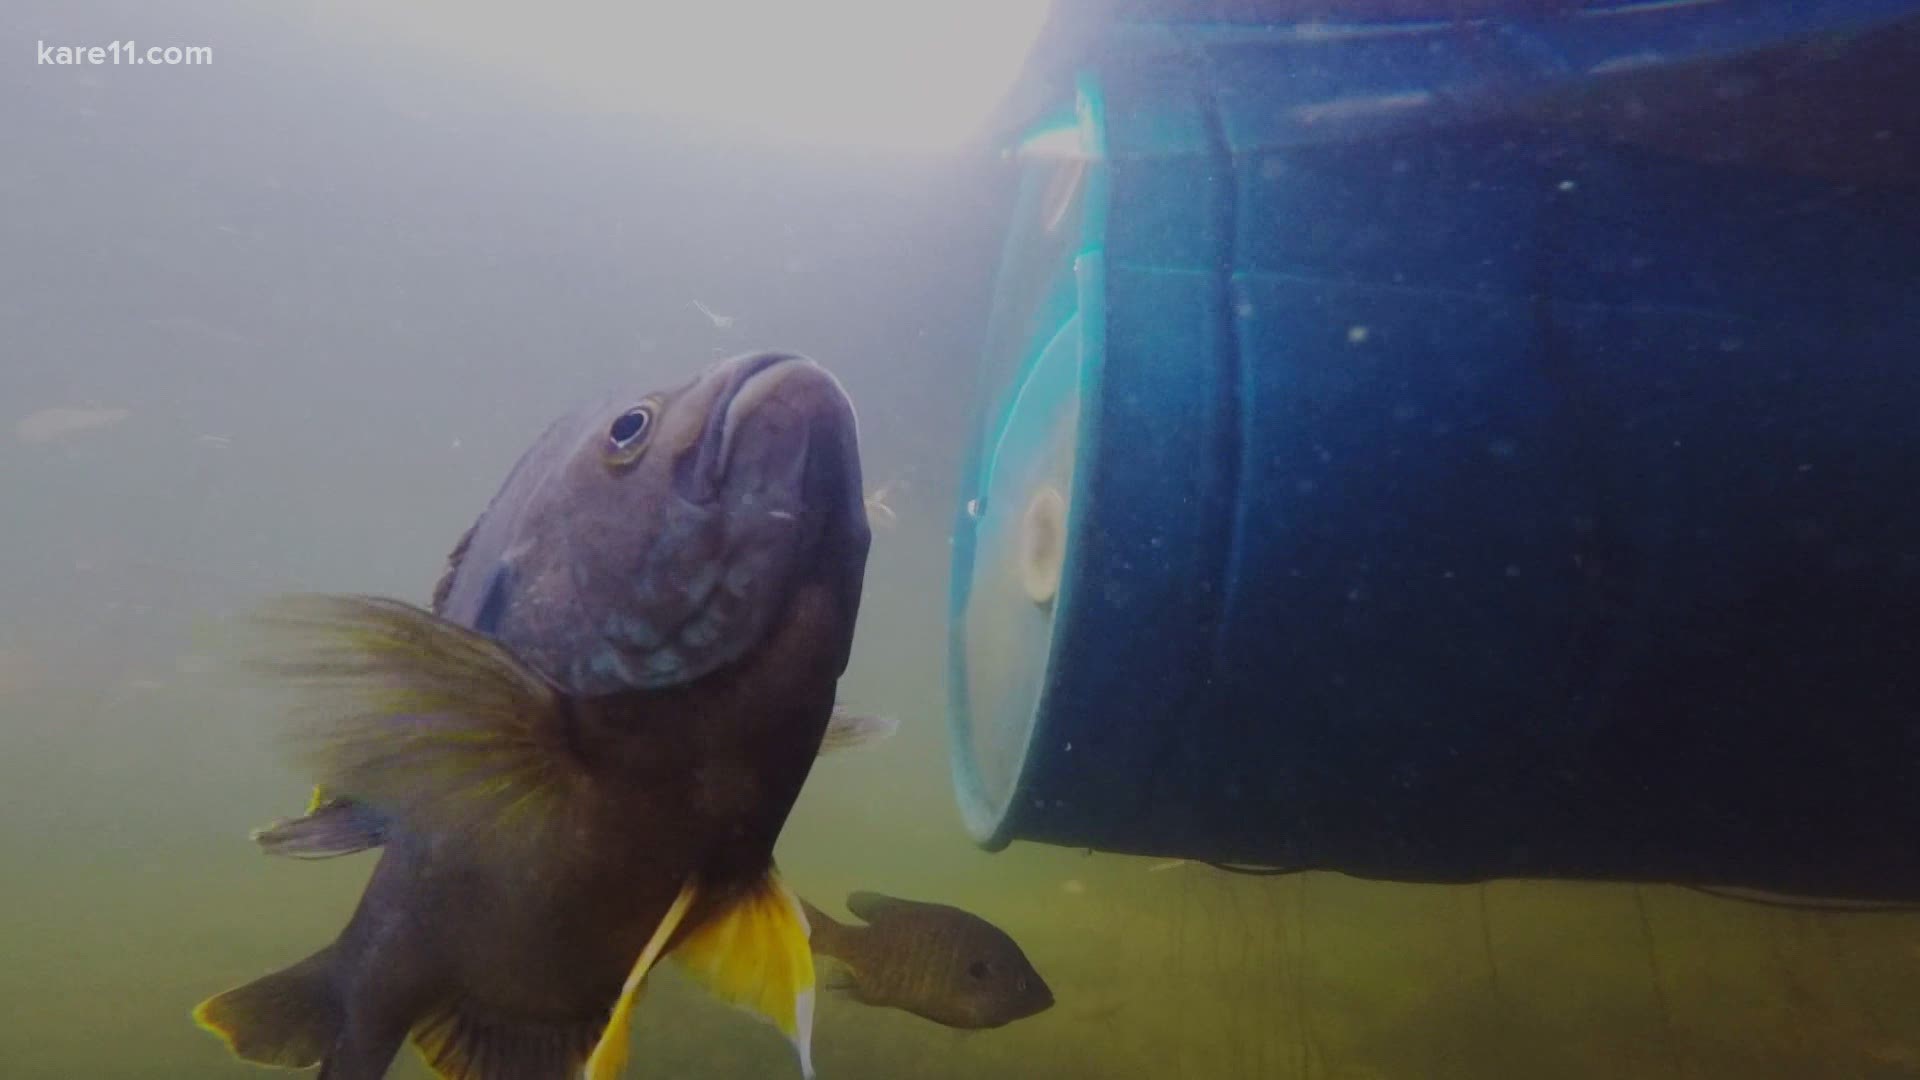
609,1056
837,976
423,721
755,955
459,1046
331,827
846,730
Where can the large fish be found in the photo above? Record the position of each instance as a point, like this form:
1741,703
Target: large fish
581,763
933,960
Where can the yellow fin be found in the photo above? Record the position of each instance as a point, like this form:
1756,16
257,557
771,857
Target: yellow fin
609,1057
755,955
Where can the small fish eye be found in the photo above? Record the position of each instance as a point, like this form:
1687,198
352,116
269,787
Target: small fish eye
978,969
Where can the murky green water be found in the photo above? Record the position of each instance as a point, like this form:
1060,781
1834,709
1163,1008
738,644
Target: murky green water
132,892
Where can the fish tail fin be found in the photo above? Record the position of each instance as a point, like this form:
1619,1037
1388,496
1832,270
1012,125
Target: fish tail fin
288,1018
826,936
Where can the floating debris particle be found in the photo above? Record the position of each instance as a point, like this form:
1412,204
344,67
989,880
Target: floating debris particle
720,322
50,424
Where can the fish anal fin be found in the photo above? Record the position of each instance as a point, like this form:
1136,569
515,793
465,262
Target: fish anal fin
288,1018
609,1054
754,954
458,1045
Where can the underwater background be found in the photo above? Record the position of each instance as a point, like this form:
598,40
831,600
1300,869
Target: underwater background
306,307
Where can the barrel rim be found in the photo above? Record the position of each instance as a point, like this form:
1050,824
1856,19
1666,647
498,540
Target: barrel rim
992,826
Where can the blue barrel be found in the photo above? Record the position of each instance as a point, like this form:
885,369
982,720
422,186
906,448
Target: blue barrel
1439,451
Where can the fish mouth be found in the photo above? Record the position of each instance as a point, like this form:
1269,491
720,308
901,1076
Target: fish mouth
778,461
758,381
699,472
824,451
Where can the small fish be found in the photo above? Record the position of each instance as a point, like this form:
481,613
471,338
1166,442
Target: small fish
577,764
939,962
50,424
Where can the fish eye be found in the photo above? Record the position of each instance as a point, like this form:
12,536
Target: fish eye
631,425
628,433
979,969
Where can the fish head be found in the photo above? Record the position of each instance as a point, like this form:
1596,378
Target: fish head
991,982
677,524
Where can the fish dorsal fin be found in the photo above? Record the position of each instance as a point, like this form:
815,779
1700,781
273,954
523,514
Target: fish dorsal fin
508,499
609,1057
873,906
426,722
444,586
754,954
458,1045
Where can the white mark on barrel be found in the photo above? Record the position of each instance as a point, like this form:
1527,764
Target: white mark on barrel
1043,544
